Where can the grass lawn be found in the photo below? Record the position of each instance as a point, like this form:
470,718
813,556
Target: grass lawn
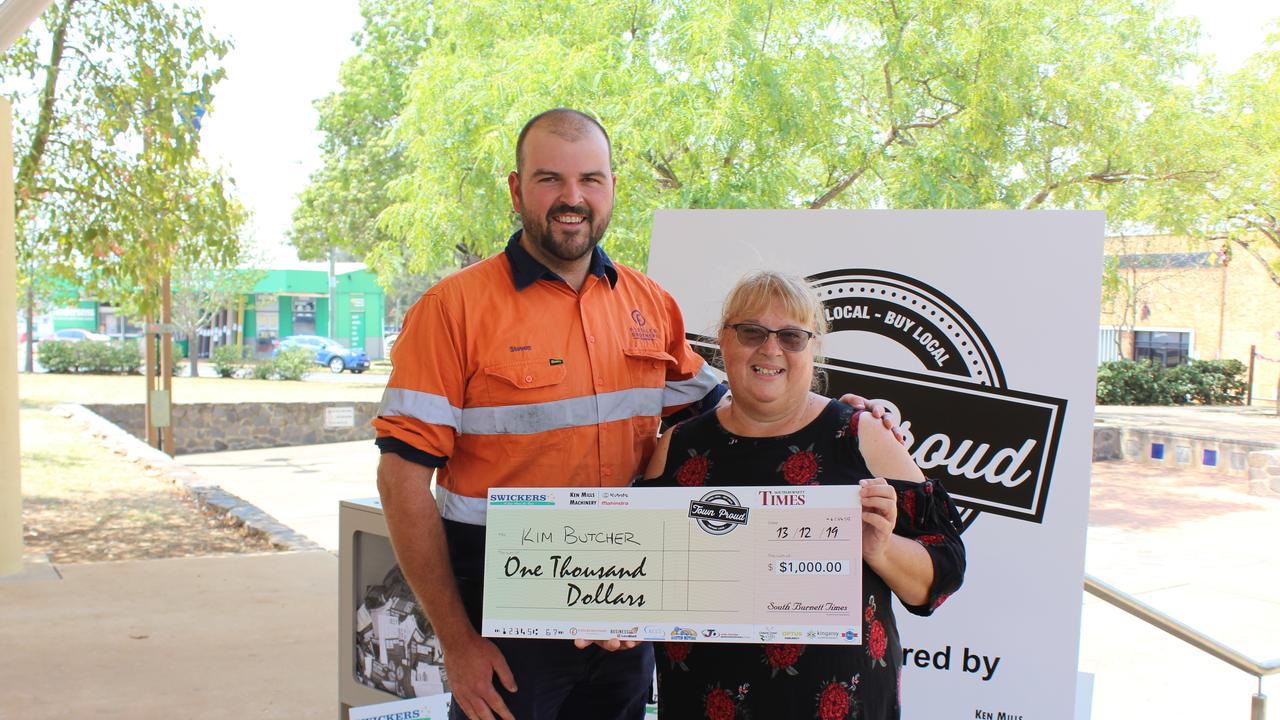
44,390
83,503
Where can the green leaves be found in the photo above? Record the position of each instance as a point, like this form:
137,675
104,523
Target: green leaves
764,104
110,187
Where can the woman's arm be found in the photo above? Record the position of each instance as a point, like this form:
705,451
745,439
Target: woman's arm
904,564
884,455
658,461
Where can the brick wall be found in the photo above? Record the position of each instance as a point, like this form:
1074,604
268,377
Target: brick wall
1175,283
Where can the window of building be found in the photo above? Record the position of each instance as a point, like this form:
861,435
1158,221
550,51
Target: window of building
304,316
1162,348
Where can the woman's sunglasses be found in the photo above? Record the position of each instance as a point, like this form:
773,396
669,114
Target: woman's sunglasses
789,339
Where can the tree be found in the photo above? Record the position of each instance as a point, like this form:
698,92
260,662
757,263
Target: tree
339,208
200,293
876,103
110,189
1242,205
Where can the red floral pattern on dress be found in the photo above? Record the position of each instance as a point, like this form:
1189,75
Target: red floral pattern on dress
801,467
783,657
877,638
878,642
677,653
720,705
909,506
834,702
693,472
934,539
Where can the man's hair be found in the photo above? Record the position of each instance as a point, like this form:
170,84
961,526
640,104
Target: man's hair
570,124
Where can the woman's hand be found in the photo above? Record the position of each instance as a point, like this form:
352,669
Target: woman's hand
879,516
878,410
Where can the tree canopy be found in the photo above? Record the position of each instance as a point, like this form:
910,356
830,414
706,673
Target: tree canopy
762,104
110,188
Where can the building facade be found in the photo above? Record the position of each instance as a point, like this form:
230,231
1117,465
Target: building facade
1172,299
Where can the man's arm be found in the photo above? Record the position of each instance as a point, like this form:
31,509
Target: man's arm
417,535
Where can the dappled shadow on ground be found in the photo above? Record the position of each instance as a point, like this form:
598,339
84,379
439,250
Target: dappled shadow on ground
140,525
1134,496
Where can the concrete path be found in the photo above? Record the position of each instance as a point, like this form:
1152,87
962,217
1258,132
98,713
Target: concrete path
1196,546
254,636
299,486
1254,424
237,636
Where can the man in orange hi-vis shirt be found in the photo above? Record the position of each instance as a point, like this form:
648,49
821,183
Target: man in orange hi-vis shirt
545,365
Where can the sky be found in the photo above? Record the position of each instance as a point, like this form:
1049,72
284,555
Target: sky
262,125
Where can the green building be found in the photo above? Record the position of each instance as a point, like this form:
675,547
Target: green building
294,300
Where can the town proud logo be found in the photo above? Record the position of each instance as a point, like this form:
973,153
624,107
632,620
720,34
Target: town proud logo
993,447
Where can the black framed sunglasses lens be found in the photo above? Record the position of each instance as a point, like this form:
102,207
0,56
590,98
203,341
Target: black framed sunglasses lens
790,339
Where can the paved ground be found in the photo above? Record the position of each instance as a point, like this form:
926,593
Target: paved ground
1194,545
240,636
1257,424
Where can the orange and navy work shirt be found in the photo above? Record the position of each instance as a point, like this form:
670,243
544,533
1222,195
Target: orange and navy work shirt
505,377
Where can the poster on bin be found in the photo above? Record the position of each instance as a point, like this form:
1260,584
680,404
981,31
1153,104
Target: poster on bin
980,328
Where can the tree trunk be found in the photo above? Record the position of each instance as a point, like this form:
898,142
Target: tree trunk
31,327
30,166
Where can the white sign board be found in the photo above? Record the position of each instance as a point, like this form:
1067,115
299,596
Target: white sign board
981,328
339,417
432,707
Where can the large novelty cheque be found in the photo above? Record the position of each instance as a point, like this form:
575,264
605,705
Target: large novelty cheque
730,564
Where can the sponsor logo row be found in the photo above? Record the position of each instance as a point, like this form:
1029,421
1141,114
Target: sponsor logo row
677,633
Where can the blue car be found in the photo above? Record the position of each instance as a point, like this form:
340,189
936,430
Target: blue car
328,352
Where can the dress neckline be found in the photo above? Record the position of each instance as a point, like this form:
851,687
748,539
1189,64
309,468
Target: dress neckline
734,437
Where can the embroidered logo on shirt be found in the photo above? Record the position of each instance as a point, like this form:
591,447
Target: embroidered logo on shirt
521,348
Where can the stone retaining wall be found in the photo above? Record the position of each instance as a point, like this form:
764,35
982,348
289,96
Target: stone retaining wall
1264,471
213,427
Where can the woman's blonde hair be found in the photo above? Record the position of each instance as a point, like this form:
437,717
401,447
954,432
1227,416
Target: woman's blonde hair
760,291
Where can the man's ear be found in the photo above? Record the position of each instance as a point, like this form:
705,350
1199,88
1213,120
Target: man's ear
513,183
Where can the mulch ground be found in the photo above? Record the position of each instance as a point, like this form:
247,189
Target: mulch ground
84,503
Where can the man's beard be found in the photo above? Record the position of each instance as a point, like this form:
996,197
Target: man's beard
565,247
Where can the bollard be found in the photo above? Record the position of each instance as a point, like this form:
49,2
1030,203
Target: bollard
1259,707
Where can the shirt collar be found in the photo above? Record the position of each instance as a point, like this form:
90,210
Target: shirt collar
526,270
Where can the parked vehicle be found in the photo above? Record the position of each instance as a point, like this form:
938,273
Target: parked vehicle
76,335
328,352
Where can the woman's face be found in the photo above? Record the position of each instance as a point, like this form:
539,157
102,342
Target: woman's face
767,374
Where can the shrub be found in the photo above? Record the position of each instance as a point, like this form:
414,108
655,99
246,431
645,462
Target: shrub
294,363
264,370
58,356
1204,382
227,359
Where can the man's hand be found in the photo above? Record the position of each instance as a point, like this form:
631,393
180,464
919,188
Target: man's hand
612,644
470,666
857,402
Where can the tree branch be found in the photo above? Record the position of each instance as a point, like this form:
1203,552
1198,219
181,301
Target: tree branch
1275,278
30,165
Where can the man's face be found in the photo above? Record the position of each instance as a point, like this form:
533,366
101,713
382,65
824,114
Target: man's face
564,193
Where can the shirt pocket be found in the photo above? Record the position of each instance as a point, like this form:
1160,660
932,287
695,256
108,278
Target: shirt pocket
530,415
648,370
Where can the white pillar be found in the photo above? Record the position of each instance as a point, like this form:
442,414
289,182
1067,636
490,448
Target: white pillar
10,464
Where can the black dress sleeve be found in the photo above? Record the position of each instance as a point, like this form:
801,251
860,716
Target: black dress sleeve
927,515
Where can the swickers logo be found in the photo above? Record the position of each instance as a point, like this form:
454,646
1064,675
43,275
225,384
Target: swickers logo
993,447
718,512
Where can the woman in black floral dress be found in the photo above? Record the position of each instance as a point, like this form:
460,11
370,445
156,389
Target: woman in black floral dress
777,432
